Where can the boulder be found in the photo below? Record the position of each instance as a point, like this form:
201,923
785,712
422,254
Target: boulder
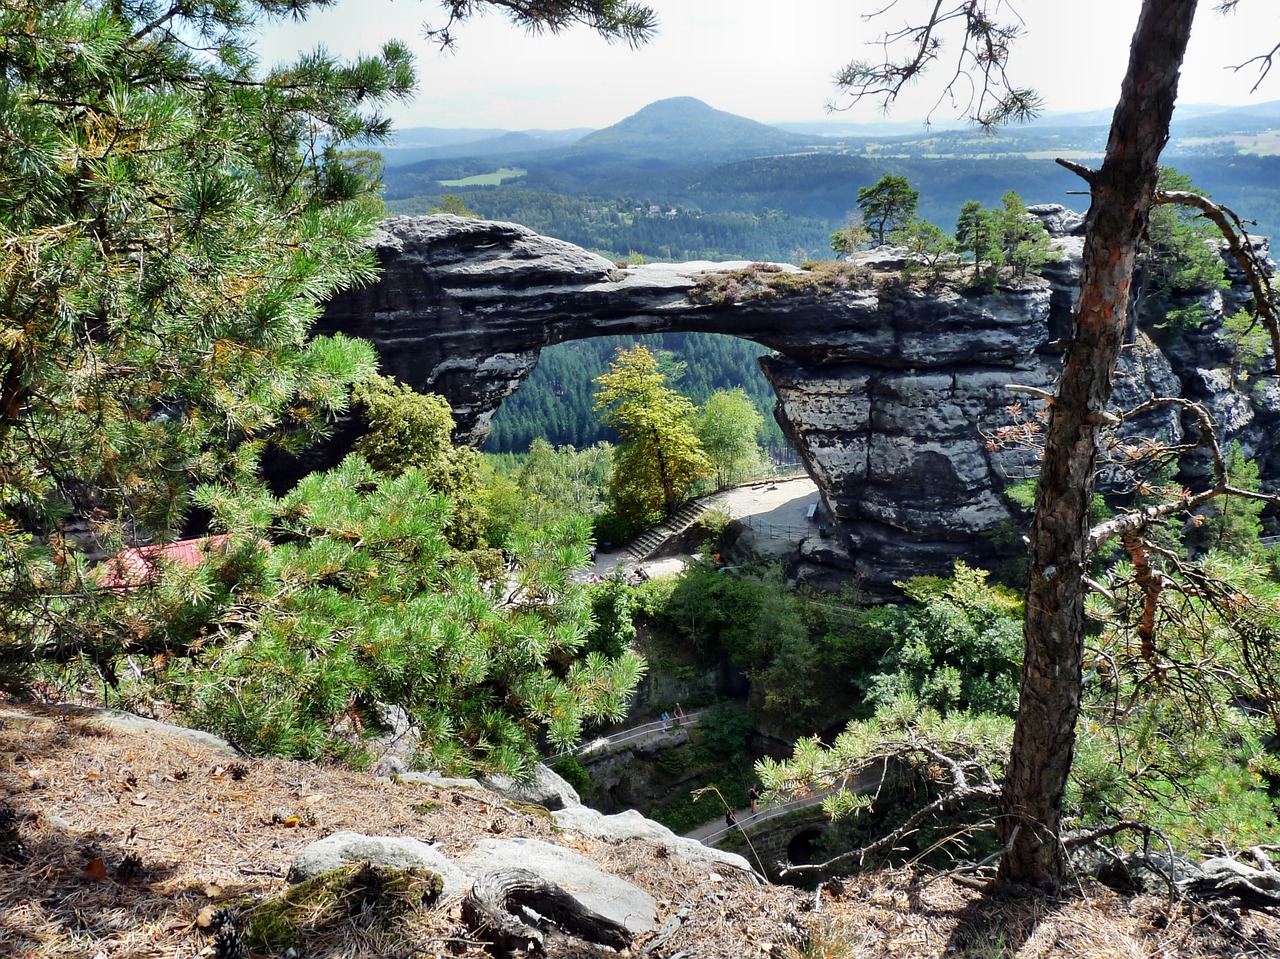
545,788
392,852
599,891
631,825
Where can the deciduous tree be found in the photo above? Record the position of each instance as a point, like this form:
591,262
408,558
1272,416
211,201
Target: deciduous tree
729,428
659,456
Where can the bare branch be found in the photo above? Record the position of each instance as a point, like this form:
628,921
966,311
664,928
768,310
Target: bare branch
980,61
1083,172
1244,253
1138,519
632,22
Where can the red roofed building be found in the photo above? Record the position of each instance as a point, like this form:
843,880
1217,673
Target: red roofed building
139,565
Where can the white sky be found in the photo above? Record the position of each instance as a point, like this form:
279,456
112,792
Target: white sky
770,60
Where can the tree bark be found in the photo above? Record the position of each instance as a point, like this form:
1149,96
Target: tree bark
1121,197
494,909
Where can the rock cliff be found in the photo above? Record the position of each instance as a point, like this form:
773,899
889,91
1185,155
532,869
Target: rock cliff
885,390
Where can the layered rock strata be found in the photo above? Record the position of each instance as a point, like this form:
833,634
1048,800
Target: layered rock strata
889,393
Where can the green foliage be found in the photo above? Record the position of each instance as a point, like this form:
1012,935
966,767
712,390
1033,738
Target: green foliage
172,226
452,203
979,235
724,734
547,485
1005,236
613,617
659,457
959,646
851,237
411,430
555,402
729,427
1025,241
751,617
887,205
356,602
1250,344
909,738
1234,523
574,773
930,251
1174,729
1182,246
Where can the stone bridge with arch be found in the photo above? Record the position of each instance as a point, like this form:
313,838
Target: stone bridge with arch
882,388
775,837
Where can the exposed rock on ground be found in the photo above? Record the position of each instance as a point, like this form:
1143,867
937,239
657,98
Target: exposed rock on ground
138,843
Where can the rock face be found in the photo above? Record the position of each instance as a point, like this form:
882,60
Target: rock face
885,391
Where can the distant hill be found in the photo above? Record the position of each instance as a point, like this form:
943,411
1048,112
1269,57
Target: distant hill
427,143
684,129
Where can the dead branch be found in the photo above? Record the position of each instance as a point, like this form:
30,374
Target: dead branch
1083,172
494,905
961,793
1138,519
1241,249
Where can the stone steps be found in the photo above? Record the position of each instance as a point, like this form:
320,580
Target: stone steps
648,542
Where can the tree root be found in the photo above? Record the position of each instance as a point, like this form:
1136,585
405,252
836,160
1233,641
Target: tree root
498,908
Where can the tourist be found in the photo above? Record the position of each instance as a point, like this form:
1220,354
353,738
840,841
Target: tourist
754,795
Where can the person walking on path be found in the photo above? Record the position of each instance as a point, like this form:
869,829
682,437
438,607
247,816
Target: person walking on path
679,714
666,720
730,820
754,795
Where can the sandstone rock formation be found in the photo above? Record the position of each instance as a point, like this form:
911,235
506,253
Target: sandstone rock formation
884,390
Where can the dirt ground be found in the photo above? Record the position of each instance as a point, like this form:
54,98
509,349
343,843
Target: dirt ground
127,844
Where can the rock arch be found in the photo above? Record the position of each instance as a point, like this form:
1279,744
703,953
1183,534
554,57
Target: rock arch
881,388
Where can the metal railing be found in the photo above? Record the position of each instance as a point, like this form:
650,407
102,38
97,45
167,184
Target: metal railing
631,734
765,814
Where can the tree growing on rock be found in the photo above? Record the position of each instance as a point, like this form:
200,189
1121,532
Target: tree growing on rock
887,205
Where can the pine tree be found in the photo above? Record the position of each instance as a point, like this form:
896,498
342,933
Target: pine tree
887,205
348,598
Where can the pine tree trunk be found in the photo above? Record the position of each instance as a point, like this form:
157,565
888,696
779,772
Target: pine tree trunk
1049,702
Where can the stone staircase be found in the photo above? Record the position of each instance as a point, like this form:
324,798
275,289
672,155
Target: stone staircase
648,542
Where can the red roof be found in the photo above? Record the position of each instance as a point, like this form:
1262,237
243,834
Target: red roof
138,565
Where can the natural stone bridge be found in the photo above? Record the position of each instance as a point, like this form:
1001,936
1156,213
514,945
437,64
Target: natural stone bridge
882,389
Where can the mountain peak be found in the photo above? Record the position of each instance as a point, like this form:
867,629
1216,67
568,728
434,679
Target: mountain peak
685,128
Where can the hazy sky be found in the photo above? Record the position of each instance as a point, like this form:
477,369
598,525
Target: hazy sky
770,60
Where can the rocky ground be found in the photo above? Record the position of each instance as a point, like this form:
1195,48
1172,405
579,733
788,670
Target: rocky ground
136,841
